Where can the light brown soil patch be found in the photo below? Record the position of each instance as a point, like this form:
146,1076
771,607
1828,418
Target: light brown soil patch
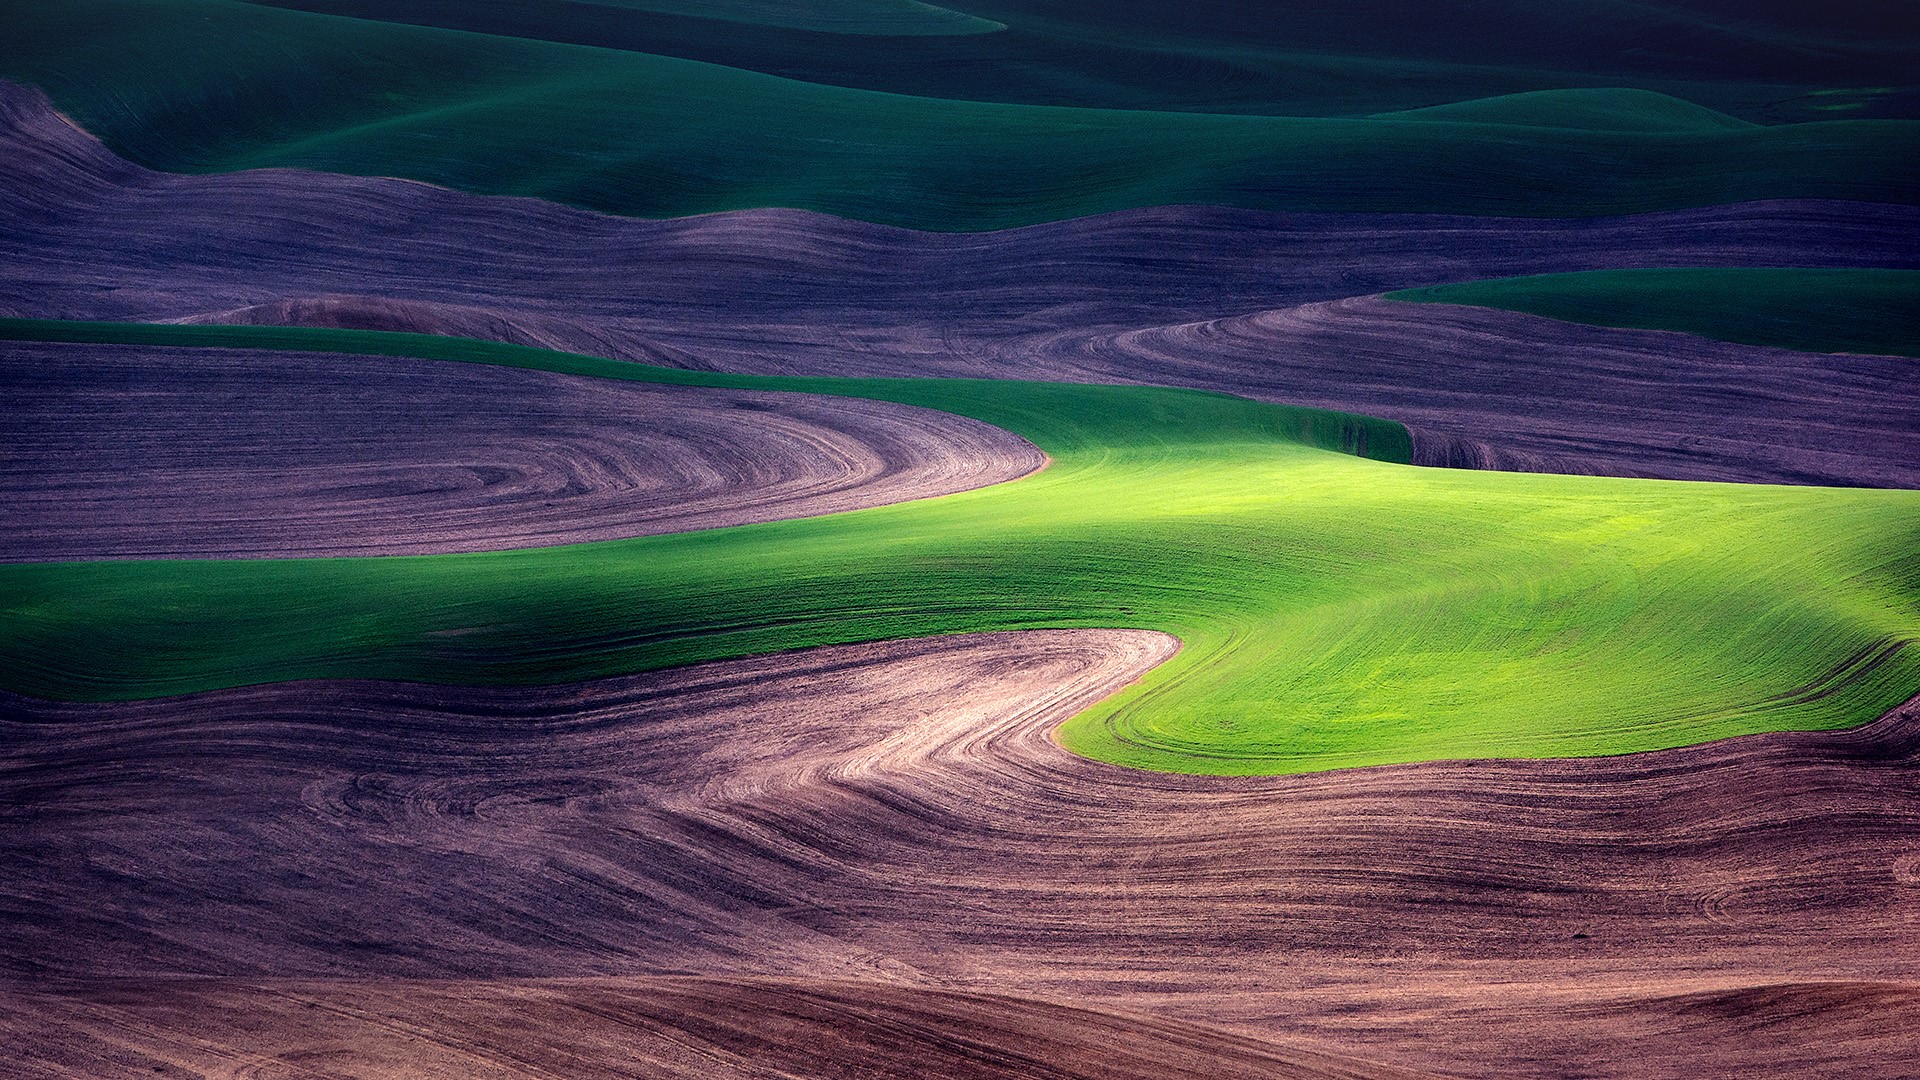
664,1028
843,821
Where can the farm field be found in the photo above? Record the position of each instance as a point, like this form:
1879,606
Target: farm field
1831,311
863,538
519,116
1335,611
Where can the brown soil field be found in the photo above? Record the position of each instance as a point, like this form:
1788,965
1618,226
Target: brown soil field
664,1027
873,861
125,451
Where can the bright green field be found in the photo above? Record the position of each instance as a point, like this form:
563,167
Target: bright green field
1859,311
1336,610
214,85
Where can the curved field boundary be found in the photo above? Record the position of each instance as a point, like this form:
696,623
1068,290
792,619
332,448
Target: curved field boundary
1338,611
1485,388
892,822
183,245
785,292
217,86
1826,310
150,452
1350,60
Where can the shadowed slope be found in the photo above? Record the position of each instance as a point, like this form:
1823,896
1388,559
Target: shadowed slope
1854,311
1273,59
535,330
216,85
865,18
897,814
117,451
1339,610
85,235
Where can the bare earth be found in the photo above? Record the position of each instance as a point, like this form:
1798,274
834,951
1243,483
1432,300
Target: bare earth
1597,400
125,451
1276,306
872,860
771,863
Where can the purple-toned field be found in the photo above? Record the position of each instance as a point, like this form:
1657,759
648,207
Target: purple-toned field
122,452
845,845
877,859
1279,307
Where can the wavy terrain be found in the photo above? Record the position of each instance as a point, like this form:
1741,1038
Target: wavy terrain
196,244
1488,389
1851,311
86,235
218,85
128,452
1007,540
1324,592
1478,388
662,1028
1225,56
884,817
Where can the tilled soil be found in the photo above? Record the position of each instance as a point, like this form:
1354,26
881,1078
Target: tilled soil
873,860
1488,389
151,452
675,1027
819,861
1162,295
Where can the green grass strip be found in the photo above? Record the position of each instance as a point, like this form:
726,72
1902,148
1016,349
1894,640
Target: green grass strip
1856,311
1336,610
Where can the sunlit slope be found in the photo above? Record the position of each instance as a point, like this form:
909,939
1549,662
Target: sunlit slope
1805,63
1335,610
1861,311
210,85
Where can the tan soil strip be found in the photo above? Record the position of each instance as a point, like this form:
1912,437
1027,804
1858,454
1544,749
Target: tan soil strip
662,1028
897,813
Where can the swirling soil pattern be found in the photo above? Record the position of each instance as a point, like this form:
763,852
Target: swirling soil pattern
875,860
876,853
168,453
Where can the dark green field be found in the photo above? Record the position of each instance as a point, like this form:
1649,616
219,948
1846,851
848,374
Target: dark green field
210,85
1861,311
